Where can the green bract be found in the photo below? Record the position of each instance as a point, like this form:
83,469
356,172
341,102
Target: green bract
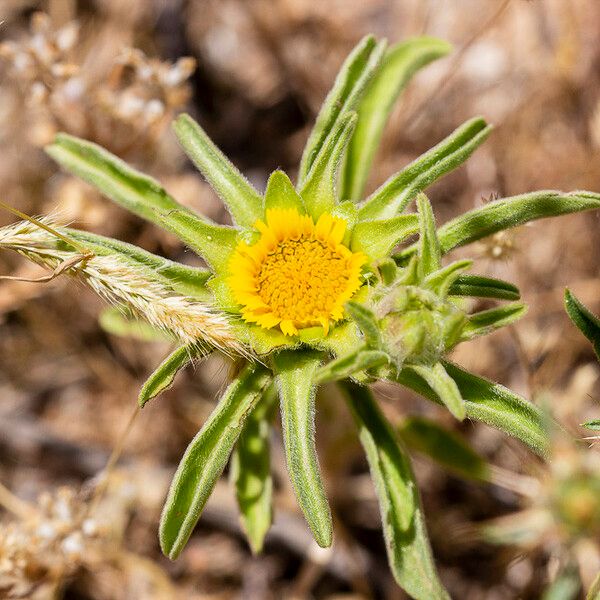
401,323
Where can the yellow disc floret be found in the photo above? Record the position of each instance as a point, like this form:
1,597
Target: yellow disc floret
298,274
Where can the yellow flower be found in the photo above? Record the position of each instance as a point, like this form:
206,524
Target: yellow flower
298,274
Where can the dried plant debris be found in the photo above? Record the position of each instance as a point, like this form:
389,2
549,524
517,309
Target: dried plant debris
66,539
129,101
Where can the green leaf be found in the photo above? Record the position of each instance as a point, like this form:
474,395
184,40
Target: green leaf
587,322
294,376
486,321
131,189
400,63
378,238
121,322
342,339
447,448
142,196
507,213
441,281
491,403
205,459
394,195
350,365
281,193
214,243
189,281
251,472
444,387
429,246
346,210
243,202
407,544
347,90
388,271
479,286
319,190
367,323
163,376
566,586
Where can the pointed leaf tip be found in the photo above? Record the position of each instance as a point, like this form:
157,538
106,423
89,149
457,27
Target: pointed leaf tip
444,386
294,375
164,375
407,544
348,88
206,457
583,318
251,472
398,66
281,194
242,200
429,246
393,196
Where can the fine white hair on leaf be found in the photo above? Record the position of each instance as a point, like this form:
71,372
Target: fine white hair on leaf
124,282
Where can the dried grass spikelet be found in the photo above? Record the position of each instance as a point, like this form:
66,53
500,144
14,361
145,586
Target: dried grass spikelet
125,283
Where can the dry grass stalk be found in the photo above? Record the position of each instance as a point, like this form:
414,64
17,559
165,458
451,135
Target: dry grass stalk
122,282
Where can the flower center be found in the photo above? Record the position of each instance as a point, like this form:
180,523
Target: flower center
297,275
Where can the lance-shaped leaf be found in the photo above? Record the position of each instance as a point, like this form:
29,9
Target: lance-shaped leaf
507,213
164,375
441,281
280,193
490,403
586,321
378,238
319,190
350,365
444,387
407,544
478,286
347,90
486,321
447,448
395,194
242,200
429,247
367,322
206,457
400,63
251,472
593,425
142,196
190,281
295,372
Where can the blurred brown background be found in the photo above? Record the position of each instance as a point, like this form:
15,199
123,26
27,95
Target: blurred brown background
114,72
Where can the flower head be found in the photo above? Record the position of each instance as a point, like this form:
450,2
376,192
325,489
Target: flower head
298,274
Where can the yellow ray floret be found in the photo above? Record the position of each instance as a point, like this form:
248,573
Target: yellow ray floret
298,274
